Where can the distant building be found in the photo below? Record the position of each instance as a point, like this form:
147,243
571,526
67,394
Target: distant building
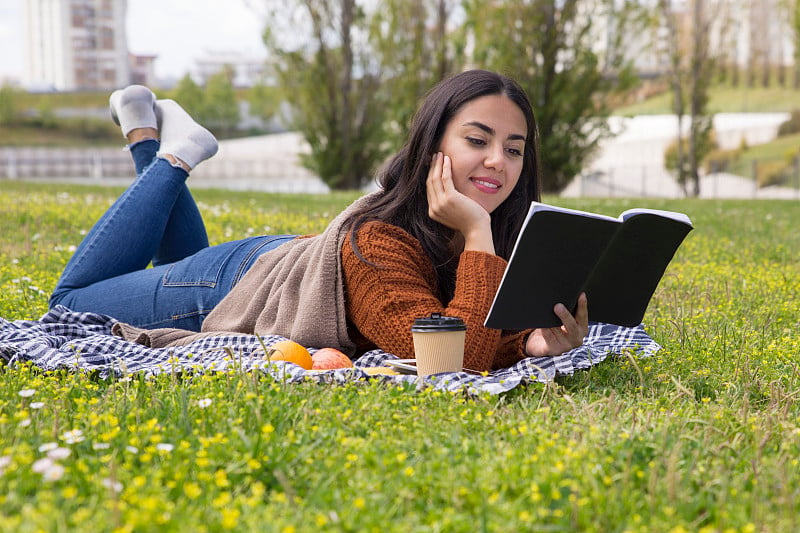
750,35
143,69
76,45
247,71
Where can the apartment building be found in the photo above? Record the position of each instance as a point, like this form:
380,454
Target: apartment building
76,45
246,71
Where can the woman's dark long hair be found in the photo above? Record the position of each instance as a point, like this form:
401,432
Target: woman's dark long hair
403,179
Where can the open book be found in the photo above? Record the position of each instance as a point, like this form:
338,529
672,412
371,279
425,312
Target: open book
562,252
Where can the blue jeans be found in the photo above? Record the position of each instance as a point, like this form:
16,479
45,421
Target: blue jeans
155,221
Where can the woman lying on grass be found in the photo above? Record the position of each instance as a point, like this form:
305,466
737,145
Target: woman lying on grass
434,238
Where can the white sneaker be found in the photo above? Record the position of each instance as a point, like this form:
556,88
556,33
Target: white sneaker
181,136
133,107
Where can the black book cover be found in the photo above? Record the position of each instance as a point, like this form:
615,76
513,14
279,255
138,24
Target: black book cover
562,252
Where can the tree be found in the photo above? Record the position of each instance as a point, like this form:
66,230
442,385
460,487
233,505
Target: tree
264,101
189,95
214,106
353,73
220,108
731,24
332,84
550,47
690,72
789,10
416,44
760,43
795,25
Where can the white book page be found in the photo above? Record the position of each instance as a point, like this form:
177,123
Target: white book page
680,217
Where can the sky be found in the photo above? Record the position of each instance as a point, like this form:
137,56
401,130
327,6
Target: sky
176,31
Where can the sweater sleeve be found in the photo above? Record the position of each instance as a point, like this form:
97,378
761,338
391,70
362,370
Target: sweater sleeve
397,284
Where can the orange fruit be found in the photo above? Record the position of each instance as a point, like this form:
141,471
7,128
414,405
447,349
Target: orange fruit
291,352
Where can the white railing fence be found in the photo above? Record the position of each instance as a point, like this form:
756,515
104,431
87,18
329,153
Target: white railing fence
276,174
114,166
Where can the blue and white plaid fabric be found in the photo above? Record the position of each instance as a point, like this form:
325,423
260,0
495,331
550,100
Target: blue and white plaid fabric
63,339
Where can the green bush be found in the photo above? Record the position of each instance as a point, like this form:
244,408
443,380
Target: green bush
720,160
706,148
790,126
91,129
46,117
772,172
9,107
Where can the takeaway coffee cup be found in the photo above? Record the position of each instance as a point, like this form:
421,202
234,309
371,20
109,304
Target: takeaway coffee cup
438,344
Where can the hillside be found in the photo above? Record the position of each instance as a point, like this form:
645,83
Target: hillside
724,99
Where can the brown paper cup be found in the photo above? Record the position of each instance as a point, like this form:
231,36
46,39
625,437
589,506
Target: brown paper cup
439,352
439,344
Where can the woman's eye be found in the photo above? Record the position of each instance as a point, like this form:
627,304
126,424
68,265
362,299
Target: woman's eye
514,151
476,141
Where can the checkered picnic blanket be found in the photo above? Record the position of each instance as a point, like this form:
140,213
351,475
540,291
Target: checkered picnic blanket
63,339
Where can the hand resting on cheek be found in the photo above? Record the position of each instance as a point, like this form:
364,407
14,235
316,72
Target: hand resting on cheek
455,210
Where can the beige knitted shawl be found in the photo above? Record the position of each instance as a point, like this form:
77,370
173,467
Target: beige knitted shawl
295,290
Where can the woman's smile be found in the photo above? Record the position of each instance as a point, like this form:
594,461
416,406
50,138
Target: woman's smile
487,185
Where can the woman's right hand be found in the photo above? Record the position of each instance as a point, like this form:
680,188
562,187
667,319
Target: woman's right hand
456,211
555,341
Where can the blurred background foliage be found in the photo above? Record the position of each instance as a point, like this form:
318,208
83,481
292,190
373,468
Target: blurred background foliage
348,75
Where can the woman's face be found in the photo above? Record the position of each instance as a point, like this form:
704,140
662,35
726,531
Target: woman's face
486,142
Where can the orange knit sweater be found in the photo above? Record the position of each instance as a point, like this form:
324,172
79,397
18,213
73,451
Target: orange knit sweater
383,300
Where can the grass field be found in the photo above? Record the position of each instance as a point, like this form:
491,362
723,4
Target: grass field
723,99
705,436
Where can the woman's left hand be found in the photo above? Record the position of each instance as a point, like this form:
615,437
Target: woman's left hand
555,341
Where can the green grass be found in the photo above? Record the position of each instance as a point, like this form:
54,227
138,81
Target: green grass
782,149
705,436
723,99
65,133
54,100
